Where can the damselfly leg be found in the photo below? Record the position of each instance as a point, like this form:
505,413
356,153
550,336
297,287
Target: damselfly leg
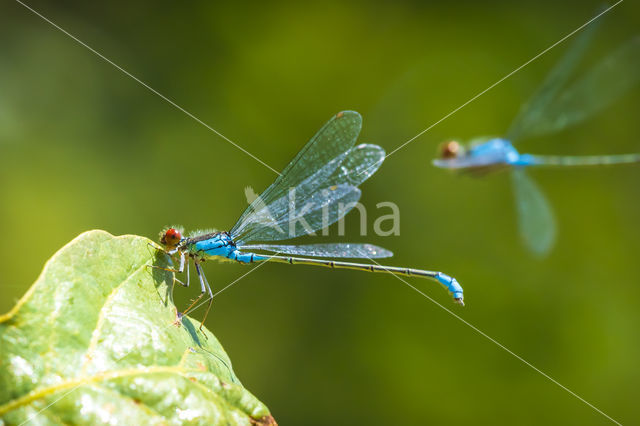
175,271
204,289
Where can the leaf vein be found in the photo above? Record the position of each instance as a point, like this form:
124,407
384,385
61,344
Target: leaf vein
101,318
39,393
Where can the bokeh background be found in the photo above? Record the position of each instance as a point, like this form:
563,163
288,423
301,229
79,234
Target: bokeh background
83,146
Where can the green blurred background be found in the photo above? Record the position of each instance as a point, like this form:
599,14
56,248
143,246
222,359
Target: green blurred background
83,146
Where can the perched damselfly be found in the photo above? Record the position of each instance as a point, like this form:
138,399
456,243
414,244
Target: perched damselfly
556,105
317,188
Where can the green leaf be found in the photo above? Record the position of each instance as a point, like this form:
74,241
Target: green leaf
95,340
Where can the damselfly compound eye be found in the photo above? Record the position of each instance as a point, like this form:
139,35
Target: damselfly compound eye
450,149
171,237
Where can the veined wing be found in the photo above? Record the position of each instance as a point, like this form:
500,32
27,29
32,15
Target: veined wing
533,112
287,218
336,137
341,250
261,213
272,222
358,165
323,200
604,83
535,218
323,197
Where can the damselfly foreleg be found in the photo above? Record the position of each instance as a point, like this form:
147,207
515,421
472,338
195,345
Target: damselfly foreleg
175,271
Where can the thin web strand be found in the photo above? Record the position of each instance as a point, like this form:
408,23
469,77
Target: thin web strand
501,346
145,85
503,78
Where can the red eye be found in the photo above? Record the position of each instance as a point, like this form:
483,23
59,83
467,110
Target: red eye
173,233
171,237
450,149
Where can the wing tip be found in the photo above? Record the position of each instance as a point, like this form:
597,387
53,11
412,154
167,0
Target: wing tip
348,112
354,115
378,252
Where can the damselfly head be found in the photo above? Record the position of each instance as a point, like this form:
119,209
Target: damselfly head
451,149
170,238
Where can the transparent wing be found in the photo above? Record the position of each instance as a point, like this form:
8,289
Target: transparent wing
535,218
314,203
611,78
358,165
344,250
287,218
335,138
533,112
263,214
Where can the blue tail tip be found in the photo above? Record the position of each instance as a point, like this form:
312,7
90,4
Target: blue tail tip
458,295
458,298
453,287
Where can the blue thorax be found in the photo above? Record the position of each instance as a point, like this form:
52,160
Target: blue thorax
502,151
219,244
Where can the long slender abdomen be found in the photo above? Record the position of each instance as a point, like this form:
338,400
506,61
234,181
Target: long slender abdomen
245,257
587,160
